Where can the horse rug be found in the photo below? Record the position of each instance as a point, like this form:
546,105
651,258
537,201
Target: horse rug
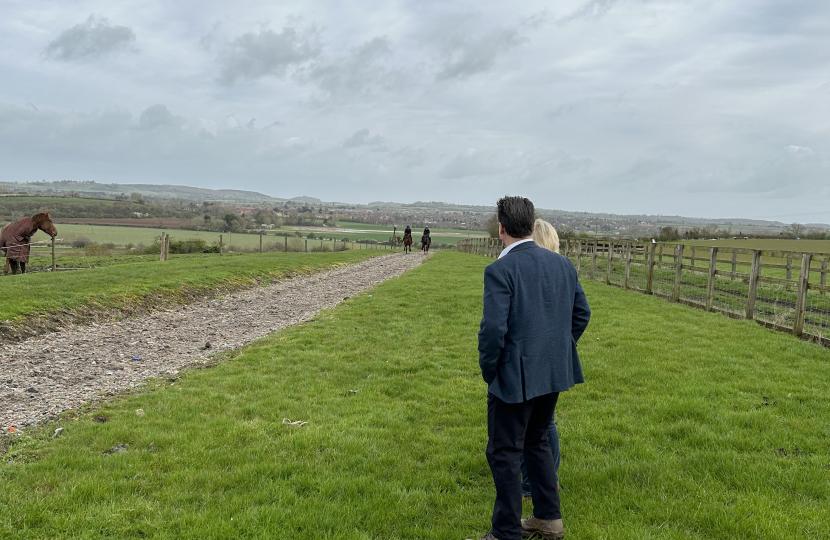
15,239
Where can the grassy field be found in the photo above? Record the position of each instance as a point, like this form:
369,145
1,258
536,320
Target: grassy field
416,228
122,284
691,426
804,246
121,236
46,200
384,232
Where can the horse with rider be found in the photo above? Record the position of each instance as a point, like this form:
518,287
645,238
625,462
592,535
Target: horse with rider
407,240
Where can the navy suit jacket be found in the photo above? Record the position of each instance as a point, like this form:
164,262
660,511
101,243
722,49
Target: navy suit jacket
534,313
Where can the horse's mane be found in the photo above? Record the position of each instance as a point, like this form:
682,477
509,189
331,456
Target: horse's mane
43,217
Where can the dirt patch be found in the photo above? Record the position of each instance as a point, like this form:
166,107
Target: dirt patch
47,375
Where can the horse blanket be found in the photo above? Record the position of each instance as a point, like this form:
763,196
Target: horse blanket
15,239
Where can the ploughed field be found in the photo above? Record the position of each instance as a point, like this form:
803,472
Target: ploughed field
691,425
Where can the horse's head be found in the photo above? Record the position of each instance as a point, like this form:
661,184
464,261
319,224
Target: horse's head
43,222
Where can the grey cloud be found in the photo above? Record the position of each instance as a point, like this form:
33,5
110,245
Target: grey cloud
206,41
357,74
474,162
410,157
89,39
362,138
543,167
790,168
158,116
465,56
267,53
592,8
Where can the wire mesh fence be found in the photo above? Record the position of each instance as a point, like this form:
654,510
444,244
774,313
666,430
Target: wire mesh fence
784,290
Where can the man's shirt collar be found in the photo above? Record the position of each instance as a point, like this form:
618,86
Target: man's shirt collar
506,250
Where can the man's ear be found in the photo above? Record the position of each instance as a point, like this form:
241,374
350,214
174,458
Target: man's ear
501,228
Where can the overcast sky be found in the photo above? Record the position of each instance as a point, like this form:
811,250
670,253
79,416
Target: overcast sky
712,108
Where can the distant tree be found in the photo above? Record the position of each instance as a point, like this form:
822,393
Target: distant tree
230,220
137,197
669,234
796,230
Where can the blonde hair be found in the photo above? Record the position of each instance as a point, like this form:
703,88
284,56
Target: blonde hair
545,235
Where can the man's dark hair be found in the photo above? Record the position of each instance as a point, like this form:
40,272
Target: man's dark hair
516,215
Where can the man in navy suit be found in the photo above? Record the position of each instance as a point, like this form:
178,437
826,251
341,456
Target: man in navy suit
534,313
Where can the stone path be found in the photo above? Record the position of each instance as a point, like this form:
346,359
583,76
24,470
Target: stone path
44,376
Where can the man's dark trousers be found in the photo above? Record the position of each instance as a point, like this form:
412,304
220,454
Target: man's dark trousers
513,428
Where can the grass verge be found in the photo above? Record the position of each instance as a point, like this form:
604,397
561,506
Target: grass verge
32,303
691,425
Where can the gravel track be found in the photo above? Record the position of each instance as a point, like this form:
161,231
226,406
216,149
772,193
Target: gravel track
45,376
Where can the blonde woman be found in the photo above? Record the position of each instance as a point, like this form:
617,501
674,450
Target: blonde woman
545,236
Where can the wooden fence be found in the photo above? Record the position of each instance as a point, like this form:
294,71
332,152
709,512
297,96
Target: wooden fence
784,290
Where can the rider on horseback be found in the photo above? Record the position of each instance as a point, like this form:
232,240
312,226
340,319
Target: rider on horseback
426,231
407,232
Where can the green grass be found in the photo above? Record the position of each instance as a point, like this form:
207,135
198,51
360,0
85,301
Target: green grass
691,425
803,246
416,228
121,284
120,236
44,200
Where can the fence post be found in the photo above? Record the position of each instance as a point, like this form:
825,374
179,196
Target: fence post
285,249
220,245
801,301
627,264
789,268
54,266
166,247
710,286
306,246
650,279
260,242
693,257
823,274
161,247
594,261
660,257
578,256
678,271
610,252
734,264
754,273
321,245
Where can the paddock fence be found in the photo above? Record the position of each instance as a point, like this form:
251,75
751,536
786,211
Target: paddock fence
783,290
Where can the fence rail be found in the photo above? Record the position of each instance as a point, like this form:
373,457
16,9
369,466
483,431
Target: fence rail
783,290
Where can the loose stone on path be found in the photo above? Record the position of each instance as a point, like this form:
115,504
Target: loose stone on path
45,376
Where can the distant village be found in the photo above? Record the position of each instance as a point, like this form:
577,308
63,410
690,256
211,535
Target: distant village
237,211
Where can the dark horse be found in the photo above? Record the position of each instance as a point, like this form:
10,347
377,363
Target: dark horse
425,243
16,238
407,243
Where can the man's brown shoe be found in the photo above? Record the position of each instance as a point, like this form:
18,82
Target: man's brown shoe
549,529
488,536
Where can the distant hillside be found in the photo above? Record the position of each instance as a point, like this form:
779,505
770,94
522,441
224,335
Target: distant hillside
94,189
579,221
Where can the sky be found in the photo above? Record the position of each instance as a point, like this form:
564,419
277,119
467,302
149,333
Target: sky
706,108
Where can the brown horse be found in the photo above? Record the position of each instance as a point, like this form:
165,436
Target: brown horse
407,244
426,241
16,239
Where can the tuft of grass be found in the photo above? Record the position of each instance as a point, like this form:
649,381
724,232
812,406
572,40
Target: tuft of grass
691,425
